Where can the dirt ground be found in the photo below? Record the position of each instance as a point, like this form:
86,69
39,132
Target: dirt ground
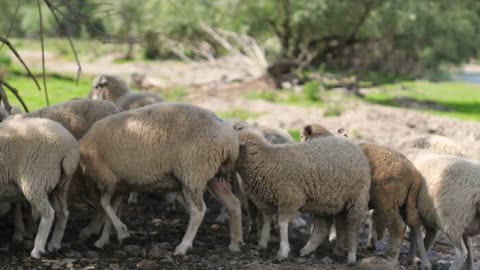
155,232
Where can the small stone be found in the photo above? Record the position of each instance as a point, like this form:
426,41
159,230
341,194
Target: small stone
73,254
215,227
301,260
327,260
134,250
119,254
156,221
147,264
165,245
157,252
376,263
92,254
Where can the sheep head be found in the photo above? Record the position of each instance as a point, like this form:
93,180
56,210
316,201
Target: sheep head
108,87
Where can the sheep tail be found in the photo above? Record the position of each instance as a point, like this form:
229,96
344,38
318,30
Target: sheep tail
69,165
411,211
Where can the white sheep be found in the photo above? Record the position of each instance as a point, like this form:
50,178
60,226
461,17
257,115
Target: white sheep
116,90
448,201
323,176
39,157
161,148
436,144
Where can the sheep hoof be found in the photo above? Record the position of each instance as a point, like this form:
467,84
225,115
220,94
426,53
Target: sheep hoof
17,238
181,249
351,259
100,243
429,267
123,234
371,247
36,253
305,252
234,247
262,245
283,254
53,246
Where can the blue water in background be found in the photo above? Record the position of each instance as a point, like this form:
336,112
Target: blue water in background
468,77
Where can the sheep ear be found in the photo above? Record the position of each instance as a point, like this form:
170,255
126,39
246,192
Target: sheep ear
342,131
307,130
238,126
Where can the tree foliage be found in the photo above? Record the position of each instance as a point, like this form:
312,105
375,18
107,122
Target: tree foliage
396,36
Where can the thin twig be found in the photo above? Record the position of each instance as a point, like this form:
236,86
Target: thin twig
15,93
11,23
52,10
43,52
15,52
4,98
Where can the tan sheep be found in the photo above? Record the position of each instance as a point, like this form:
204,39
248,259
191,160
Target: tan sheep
395,186
39,156
116,90
161,148
323,177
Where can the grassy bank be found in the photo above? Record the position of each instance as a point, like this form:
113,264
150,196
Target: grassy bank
453,99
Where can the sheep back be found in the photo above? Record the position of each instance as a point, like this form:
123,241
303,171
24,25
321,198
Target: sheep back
324,175
131,101
35,153
159,141
77,116
451,183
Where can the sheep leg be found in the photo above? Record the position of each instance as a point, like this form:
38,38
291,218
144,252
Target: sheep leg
19,225
321,229
461,253
171,205
396,228
61,215
265,232
30,224
468,244
430,237
283,220
224,194
354,218
104,238
47,215
332,236
416,240
372,234
197,209
253,224
120,228
341,228
133,198
95,224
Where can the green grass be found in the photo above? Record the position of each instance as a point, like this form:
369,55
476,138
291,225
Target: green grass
174,95
295,133
461,99
59,88
239,114
286,97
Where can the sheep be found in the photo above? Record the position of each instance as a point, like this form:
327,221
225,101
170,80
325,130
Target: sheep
116,90
39,157
436,144
77,117
324,177
448,201
395,185
160,148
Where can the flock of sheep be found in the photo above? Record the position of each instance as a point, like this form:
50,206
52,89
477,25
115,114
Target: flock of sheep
118,142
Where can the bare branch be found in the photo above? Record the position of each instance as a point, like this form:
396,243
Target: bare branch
15,93
43,52
11,23
15,52
4,99
52,10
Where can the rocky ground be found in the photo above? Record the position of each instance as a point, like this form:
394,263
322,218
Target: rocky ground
155,232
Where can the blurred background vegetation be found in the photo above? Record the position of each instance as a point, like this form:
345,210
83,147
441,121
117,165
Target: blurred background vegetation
365,42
